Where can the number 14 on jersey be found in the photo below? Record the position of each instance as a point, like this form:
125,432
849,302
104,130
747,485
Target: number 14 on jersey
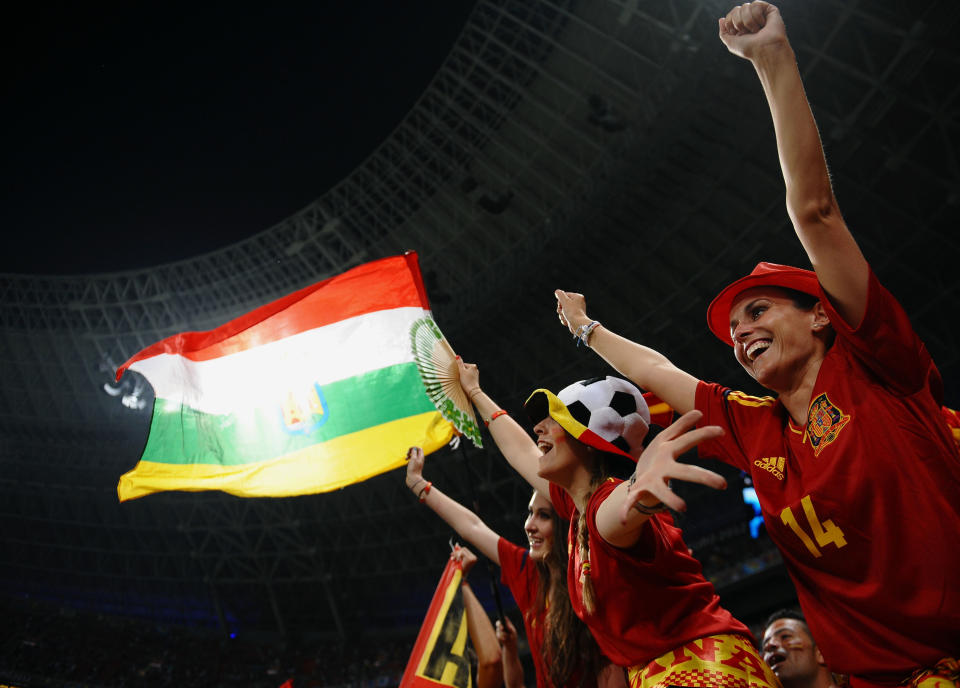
825,533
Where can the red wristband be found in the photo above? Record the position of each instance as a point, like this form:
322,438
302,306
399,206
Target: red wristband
494,416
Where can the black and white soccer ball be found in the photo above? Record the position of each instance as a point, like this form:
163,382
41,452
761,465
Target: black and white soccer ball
612,408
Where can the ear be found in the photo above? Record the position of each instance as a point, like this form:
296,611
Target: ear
821,321
819,657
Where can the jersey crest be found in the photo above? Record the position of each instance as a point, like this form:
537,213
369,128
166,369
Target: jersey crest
773,465
824,423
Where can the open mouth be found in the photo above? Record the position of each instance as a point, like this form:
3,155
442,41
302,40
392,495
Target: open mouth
756,349
535,542
774,659
544,446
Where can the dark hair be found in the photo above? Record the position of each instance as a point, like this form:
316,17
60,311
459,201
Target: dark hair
805,302
785,614
566,639
789,614
801,299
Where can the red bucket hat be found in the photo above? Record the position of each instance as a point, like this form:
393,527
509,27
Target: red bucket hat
764,275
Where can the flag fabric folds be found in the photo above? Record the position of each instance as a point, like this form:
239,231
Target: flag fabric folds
439,654
309,393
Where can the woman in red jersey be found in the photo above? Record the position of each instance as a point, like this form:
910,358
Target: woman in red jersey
856,472
632,581
564,653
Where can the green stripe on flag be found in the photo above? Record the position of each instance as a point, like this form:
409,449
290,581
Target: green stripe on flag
183,435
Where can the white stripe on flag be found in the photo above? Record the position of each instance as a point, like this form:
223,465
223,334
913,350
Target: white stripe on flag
252,378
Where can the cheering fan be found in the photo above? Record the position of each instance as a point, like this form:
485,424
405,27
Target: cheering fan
438,369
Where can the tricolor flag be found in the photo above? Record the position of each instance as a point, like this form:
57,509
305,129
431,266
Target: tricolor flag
306,394
439,654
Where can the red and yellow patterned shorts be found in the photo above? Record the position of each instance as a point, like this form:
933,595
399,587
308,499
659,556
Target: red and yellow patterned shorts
717,661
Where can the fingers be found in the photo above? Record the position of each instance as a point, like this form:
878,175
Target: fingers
685,422
696,474
745,19
691,439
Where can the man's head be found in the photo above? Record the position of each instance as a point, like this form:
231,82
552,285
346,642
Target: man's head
790,650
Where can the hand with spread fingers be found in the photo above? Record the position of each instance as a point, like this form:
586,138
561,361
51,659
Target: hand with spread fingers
749,27
648,488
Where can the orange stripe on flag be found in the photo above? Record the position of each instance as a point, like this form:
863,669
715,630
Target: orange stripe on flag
393,282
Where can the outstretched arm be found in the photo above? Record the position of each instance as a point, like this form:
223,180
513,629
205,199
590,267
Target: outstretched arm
621,515
512,440
649,369
482,635
755,31
467,524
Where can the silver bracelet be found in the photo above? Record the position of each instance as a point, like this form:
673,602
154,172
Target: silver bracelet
584,331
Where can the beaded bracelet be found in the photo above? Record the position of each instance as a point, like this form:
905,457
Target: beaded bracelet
424,492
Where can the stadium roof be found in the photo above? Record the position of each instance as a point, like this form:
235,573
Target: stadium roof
612,148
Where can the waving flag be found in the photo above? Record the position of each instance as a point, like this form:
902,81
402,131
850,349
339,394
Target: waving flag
439,656
306,394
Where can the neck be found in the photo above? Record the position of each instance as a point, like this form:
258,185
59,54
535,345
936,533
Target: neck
797,394
823,679
580,489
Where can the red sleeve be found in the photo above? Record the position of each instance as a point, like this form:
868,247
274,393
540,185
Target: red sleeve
517,572
734,411
562,503
885,342
646,546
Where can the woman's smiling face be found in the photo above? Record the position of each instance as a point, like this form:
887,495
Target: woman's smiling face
773,339
539,526
562,455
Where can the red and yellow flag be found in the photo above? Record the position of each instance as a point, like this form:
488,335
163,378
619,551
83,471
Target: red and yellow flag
439,656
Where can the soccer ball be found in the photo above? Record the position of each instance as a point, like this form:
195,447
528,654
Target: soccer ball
612,408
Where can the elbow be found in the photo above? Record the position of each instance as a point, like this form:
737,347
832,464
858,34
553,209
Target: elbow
811,213
490,660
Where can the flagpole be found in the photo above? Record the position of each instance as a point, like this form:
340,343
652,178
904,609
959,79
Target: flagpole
476,509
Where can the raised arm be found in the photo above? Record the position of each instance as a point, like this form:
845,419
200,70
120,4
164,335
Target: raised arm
755,31
649,369
621,516
512,440
482,635
467,524
510,656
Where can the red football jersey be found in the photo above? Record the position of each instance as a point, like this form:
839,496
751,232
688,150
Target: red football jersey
863,500
651,598
519,573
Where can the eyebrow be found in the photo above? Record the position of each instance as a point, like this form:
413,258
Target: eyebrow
746,309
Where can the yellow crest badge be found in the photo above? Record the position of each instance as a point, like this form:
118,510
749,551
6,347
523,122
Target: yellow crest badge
824,423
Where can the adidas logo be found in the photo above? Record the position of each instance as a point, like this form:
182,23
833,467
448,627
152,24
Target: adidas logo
773,465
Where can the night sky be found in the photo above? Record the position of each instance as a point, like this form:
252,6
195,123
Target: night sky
141,134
